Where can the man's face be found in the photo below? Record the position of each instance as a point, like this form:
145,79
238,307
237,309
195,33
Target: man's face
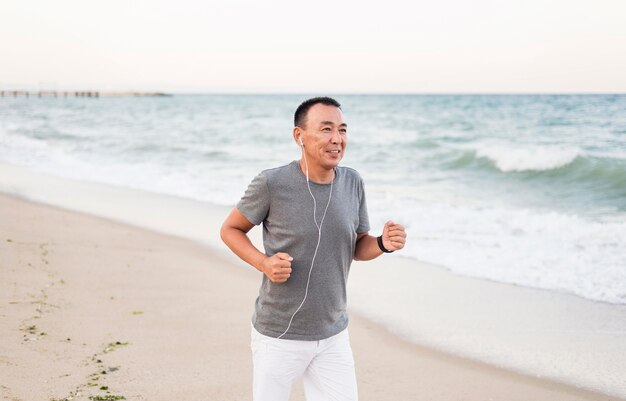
324,136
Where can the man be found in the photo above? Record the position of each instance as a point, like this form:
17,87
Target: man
315,223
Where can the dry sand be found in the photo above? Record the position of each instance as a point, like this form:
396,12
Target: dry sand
93,307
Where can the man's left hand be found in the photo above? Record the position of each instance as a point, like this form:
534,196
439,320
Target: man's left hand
394,236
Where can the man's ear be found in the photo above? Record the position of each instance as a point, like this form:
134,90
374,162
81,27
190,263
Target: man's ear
297,135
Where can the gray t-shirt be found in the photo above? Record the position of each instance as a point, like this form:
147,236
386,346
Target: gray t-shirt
279,198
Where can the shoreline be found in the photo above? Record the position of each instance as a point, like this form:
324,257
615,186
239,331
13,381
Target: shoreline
63,326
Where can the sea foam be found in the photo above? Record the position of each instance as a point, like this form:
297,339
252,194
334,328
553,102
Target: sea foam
541,249
509,158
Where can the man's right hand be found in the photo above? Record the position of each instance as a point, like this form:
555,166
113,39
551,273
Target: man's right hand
277,267
234,233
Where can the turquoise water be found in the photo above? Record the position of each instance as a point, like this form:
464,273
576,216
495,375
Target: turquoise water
527,189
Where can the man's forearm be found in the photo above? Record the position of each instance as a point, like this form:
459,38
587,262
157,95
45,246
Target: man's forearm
367,248
240,244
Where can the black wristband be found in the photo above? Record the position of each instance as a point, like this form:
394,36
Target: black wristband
379,239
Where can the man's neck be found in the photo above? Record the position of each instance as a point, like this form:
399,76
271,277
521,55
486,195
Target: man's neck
318,174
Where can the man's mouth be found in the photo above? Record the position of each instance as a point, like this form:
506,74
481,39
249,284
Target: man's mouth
334,151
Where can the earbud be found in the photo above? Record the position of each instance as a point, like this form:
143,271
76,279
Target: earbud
300,139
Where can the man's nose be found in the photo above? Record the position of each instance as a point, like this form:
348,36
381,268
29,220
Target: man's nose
335,137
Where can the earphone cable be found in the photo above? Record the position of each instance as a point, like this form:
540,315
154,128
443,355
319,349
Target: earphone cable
319,238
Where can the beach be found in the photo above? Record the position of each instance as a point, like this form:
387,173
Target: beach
91,306
129,132
513,277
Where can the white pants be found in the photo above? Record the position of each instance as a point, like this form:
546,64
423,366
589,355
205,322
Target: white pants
326,366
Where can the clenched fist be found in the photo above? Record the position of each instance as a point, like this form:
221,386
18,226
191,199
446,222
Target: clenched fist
394,236
277,267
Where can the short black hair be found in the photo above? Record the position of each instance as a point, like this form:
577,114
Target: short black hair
299,118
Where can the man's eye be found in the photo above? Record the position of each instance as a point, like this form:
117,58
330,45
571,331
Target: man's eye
326,129
343,131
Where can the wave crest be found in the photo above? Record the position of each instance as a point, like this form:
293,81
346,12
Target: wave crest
528,158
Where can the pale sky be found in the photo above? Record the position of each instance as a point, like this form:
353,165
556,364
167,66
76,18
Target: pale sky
324,46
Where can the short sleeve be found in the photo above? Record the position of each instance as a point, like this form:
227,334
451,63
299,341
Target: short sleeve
364,220
255,203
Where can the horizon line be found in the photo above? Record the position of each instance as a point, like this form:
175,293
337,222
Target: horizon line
340,93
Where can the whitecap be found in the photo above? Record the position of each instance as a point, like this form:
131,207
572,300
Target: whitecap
527,157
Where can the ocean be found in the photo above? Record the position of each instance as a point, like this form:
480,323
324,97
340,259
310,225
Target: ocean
522,189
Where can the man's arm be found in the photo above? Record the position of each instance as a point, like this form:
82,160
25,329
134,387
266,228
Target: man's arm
234,234
394,238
